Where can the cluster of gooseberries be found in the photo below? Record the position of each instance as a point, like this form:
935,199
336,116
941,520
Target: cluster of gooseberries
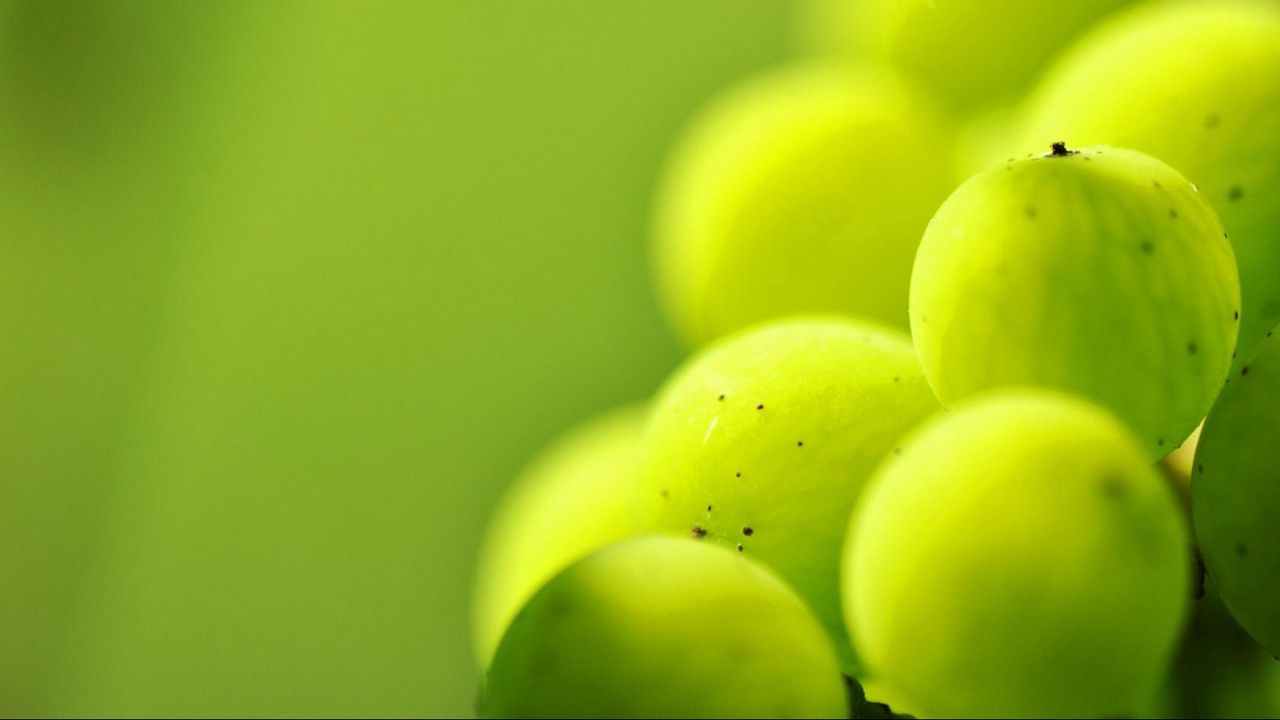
975,425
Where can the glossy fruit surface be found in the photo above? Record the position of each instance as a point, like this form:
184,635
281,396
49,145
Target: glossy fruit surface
1101,272
762,442
1020,558
1196,84
1235,495
665,627
803,191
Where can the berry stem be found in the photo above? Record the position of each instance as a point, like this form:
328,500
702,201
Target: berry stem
1060,149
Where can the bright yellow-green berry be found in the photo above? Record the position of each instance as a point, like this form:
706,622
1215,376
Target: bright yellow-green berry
1101,272
665,627
1196,84
1020,558
802,191
763,441
977,55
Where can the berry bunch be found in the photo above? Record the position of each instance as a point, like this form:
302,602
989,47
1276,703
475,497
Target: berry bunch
982,518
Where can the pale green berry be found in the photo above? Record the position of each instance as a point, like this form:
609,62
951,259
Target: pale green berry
1101,272
665,627
1021,558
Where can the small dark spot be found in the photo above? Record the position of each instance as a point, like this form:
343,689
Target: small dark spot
760,407
1059,149
560,606
748,531
739,547
708,508
897,451
1241,550
737,474
1235,193
665,494
1087,158
722,398
1155,184
1236,315
1233,354
1191,348
1147,247
1225,235
1173,213
1211,121
1160,442
896,378
698,532
1244,370
1029,211
1200,468
1113,487
799,443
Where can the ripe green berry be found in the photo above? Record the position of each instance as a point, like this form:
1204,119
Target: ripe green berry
665,627
803,191
1020,558
1101,272
976,55
574,498
763,441
1220,672
1235,494
1196,84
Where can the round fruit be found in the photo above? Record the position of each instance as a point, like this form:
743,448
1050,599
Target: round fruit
1235,495
975,54
804,191
664,627
1101,272
1220,671
1021,558
574,498
762,443
1196,84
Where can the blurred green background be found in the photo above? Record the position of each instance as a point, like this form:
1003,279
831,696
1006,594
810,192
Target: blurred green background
289,291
